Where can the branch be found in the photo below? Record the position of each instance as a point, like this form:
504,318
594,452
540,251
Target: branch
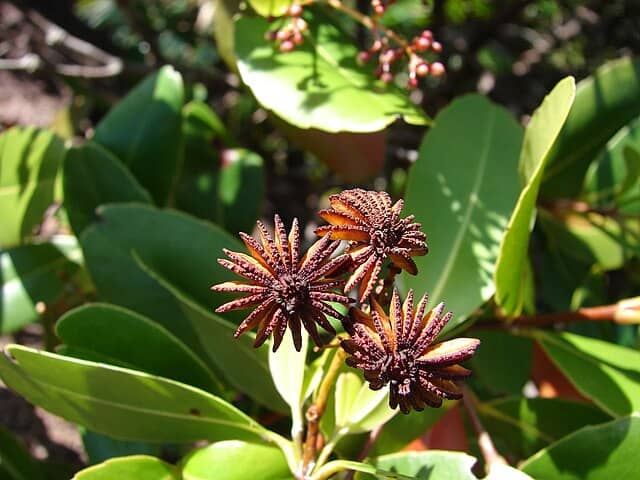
624,312
489,452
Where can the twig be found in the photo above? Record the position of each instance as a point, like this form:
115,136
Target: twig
603,313
489,452
316,410
55,35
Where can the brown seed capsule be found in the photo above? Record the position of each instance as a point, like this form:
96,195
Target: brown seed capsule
372,225
282,287
397,350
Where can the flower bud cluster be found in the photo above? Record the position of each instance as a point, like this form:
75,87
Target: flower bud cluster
380,6
291,34
416,50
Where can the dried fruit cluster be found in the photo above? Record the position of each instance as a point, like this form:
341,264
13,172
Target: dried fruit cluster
388,47
286,289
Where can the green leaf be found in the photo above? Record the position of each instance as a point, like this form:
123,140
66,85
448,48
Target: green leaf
605,102
32,275
452,191
100,448
358,408
29,162
171,258
499,471
288,368
137,467
521,426
612,178
602,452
319,84
540,135
242,365
606,373
15,461
503,362
92,177
610,241
204,134
132,341
343,465
233,460
428,465
144,131
271,8
122,403
241,188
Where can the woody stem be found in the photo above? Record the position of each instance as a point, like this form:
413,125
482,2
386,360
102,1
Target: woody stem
316,410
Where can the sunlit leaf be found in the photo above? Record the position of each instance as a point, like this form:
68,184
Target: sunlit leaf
453,192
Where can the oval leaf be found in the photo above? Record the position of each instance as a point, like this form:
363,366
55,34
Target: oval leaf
606,373
29,162
319,84
137,467
92,177
144,131
602,452
122,403
452,190
605,102
540,135
428,465
129,340
233,460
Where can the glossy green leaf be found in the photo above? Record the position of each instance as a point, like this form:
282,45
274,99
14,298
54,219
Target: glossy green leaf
15,461
271,8
32,275
604,372
171,257
503,362
236,360
117,334
144,131
137,467
29,162
499,471
610,241
612,178
521,426
366,468
428,465
288,368
122,403
233,460
319,84
605,102
203,134
241,188
92,177
358,408
601,452
540,135
453,192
